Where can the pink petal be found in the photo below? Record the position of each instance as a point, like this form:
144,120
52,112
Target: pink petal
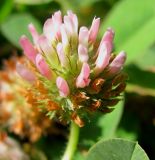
74,20
34,33
61,54
57,22
48,30
83,78
117,64
103,58
44,45
57,17
94,30
62,86
25,73
48,50
83,36
28,48
69,25
108,37
43,67
64,36
83,53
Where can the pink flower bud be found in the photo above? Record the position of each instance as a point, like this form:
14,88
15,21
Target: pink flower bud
43,67
61,54
74,20
103,58
48,51
34,33
108,37
83,53
44,45
62,86
28,48
48,30
57,21
64,36
83,36
69,25
116,64
83,78
94,30
25,73
57,17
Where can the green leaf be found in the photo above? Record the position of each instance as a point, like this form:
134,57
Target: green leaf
116,149
5,9
140,81
147,60
16,25
145,65
136,44
32,2
101,126
109,122
134,23
140,77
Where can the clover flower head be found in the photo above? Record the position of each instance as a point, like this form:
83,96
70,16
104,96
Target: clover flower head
17,112
74,73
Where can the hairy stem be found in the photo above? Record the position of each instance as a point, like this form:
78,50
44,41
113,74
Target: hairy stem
72,143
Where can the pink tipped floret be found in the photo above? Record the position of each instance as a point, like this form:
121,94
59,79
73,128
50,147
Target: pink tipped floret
83,78
42,66
25,73
28,48
94,30
62,86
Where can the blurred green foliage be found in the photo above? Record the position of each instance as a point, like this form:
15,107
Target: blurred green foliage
134,24
19,24
30,2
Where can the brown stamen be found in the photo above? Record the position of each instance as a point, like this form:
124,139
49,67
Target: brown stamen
97,84
52,106
77,120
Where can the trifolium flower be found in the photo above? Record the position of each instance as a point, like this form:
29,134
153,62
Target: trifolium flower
73,73
18,114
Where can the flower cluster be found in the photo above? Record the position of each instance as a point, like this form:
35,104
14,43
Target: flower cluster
70,72
16,114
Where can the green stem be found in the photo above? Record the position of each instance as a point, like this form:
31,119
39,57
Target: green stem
72,143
